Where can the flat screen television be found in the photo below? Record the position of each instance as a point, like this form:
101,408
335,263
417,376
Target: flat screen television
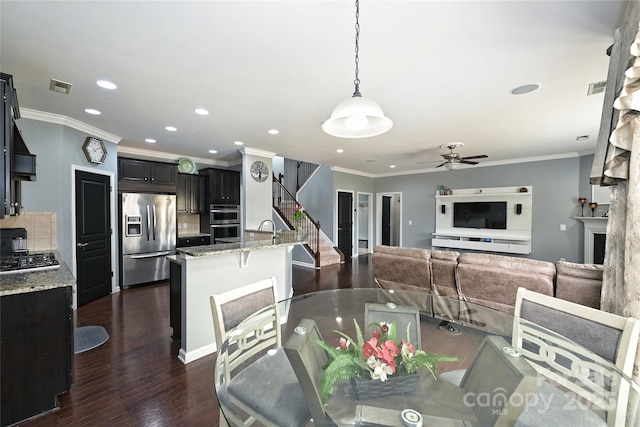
491,215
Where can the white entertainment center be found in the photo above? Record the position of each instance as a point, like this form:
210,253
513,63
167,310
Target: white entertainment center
510,233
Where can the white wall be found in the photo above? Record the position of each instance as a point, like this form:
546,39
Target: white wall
257,201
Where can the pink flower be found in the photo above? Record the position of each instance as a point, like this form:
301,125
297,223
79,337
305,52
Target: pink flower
409,346
344,343
370,348
384,326
376,334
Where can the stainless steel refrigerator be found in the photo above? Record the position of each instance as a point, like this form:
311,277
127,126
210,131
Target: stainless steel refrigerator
148,236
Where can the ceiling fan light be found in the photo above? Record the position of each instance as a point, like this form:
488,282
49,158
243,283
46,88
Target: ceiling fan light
451,165
357,117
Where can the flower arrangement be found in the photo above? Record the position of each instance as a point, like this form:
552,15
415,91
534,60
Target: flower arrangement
378,358
299,214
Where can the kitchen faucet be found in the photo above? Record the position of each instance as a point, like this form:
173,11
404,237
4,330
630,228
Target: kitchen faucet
273,227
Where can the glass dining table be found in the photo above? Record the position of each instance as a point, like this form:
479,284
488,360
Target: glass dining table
471,391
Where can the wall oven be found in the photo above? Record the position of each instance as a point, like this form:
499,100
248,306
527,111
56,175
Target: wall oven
224,233
225,223
224,214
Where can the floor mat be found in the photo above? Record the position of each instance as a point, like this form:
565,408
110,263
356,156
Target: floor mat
88,337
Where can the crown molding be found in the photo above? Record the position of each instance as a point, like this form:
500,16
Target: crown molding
486,164
352,172
59,119
257,152
141,153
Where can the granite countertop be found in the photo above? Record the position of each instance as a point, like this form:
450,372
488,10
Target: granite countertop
284,238
18,283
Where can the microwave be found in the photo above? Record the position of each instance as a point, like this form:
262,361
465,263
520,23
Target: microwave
224,214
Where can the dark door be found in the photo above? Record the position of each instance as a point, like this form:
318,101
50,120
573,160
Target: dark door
345,232
93,236
386,220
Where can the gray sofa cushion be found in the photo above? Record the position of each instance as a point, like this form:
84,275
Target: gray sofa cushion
493,280
402,268
579,283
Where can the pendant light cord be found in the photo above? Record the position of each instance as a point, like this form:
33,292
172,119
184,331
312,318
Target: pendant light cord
356,82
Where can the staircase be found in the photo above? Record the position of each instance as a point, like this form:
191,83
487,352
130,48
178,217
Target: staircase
319,246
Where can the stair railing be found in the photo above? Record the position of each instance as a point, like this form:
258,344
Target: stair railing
285,204
304,170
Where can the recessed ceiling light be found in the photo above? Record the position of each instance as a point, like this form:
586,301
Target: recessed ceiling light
92,111
150,140
106,84
392,166
213,151
521,90
170,128
582,137
339,150
201,112
239,143
274,131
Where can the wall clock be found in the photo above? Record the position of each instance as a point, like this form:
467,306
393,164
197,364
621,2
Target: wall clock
259,171
94,150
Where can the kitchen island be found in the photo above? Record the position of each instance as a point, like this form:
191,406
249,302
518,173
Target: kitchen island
36,348
198,272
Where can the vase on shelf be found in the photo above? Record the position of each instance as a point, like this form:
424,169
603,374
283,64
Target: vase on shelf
582,202
593,206
371,389
298,229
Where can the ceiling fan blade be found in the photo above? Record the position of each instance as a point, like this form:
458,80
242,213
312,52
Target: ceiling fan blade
468,162
427,161
442,164
480,156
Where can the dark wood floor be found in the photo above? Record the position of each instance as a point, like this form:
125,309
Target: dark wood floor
136,379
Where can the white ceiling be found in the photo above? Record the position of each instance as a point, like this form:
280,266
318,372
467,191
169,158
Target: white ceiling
441,70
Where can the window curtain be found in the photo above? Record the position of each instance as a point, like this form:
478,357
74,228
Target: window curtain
617,164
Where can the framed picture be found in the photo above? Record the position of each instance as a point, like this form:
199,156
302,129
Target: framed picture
600,195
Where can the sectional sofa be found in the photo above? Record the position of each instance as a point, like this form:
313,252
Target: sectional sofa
485,279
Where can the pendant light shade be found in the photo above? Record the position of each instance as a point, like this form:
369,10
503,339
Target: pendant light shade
357,117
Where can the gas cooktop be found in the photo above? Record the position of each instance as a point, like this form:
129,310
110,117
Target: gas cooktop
28,262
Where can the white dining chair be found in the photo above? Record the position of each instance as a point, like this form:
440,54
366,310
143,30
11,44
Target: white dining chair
576,347
247,326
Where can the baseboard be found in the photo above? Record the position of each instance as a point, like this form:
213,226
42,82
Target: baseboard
303,264
188,357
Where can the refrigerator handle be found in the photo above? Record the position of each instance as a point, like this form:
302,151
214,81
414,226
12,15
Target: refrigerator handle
154,222
148,222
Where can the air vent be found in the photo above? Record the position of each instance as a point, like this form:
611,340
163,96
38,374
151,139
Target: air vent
60,86
597,87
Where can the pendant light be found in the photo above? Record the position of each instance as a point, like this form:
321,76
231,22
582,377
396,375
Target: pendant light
357,117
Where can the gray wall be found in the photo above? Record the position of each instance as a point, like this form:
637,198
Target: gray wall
317,197
57,148
556,185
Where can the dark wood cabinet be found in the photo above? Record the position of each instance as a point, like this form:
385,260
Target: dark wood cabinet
17,164
175,300
183,242
143,175
224,186
190,194
36,349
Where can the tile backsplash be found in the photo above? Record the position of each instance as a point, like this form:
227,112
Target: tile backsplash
188,224
40,226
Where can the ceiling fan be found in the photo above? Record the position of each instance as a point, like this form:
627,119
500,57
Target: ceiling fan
453,159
